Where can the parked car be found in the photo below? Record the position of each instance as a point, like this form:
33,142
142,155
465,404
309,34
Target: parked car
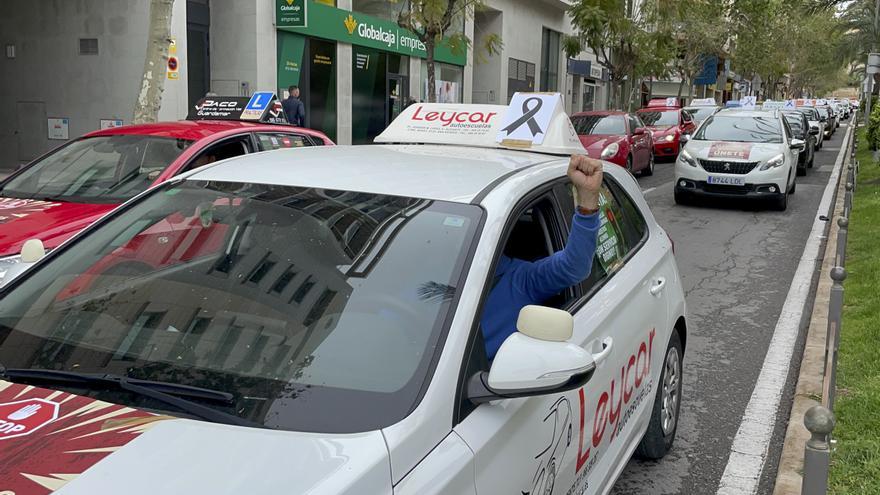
816,122
827,116
328,339
667,125
617,137
739,153
63,191
800,129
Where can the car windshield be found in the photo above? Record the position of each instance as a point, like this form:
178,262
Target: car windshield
810,113
599,124
655,118
743,129
105,169
319,310
700,113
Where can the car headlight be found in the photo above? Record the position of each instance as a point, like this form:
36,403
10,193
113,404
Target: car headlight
774,162
686,158
669,138
7,263
610,151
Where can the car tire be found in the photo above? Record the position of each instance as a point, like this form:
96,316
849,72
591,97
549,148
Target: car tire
802,171
681,198
660,435
649,170
781,202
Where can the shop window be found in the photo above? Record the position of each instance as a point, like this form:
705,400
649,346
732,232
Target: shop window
589,97
448,82
520,77
549,60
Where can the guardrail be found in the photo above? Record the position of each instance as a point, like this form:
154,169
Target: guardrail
820,419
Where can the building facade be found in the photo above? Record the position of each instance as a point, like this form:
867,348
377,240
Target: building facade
73,67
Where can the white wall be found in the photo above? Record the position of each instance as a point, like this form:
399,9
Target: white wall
175,100
243,49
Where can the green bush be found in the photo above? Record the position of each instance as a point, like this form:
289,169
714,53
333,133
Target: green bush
862,103
874,128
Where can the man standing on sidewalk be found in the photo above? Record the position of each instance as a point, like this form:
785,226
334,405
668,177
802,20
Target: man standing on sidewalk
294,108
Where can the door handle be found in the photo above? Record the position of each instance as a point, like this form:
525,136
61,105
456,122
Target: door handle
604,351
658,286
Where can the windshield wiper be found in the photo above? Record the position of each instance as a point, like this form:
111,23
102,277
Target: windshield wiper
169,393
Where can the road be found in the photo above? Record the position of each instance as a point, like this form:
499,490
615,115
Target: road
737,261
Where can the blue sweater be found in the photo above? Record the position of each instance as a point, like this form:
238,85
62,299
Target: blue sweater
520,283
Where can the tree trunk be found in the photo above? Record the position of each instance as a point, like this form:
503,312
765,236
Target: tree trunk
146,108
429,61
690,88
680,87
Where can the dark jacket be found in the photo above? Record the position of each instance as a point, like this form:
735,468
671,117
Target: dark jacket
295,111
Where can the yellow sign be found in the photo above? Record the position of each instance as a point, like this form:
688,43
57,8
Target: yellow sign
172,47
350,24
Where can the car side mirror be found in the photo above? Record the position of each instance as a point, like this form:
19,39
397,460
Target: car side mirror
684,138
535,360
31,251
814,130
798,144
639,131
823,119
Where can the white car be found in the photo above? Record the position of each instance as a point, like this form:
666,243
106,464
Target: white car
308,322
816,122
741,154
702,112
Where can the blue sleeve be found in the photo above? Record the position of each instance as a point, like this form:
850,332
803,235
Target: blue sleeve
301,114
548,276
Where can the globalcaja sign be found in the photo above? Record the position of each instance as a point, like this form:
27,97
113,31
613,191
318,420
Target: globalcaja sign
324,21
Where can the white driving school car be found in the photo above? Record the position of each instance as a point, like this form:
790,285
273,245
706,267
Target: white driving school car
739,153
249,327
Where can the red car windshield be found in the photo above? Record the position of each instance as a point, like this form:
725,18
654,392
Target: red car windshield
659,118
599,124
106,169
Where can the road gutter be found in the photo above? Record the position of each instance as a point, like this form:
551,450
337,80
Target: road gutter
748,452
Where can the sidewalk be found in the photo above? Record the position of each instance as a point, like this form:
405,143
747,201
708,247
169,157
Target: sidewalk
808,391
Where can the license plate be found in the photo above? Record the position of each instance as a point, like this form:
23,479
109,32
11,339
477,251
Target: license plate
727,181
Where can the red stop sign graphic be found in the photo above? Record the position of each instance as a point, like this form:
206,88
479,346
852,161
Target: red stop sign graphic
172,63
24,417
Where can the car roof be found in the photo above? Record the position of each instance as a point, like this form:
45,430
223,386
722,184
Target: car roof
194,130
439,172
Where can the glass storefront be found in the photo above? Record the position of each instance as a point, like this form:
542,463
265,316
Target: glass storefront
380,85
310,64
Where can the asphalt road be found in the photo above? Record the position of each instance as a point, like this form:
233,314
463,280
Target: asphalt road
737,261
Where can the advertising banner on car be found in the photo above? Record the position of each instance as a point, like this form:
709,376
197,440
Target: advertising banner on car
730,150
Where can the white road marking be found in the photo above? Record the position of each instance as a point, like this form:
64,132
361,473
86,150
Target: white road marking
752,441
646,191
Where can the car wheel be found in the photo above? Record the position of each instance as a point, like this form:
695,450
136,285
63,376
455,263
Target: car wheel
649,170
681,198
801,171
781,202
667,404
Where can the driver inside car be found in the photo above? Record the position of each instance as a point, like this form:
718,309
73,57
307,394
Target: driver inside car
518,283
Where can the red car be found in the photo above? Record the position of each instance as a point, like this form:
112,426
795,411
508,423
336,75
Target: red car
65,190
667,122
617,137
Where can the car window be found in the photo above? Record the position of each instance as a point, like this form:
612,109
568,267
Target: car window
275,140
738,128
293,299
599,124
97,169
659,118
686,116
228,148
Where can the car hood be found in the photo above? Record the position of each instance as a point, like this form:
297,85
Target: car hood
598,142
733,151
52,222
75,445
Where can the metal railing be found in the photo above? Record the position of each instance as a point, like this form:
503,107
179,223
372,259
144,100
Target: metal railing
819,419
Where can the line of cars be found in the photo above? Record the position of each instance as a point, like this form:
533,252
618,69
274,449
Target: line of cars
311,319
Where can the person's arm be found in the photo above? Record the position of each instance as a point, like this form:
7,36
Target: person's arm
301,114
545,277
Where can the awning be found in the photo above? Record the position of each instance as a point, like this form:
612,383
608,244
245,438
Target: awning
666,88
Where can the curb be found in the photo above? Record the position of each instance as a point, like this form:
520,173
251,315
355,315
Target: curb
808,391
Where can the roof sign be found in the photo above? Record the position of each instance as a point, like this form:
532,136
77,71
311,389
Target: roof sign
703,102
533,122
748,102
732,104
664,102
772,105
261,107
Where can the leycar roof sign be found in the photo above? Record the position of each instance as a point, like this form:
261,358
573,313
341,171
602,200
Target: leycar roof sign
533,122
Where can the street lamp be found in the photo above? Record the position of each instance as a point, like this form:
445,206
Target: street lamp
872,68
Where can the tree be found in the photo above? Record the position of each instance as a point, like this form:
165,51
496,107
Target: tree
146,108
430,21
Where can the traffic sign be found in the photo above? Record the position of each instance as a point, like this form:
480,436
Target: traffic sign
24,417
258,104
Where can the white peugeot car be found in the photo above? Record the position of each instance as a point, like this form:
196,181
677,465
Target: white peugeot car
252,327
742,154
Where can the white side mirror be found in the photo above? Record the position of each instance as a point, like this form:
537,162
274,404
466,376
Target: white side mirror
536,360
798,144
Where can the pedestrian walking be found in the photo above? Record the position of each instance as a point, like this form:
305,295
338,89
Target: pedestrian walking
294,108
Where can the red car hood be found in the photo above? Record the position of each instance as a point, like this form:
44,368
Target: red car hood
598,142
51,222
48,438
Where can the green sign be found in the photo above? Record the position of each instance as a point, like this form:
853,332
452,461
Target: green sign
292,13
290,58
328,22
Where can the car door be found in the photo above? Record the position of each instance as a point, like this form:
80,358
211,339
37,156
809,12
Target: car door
229,147
687,123
575,442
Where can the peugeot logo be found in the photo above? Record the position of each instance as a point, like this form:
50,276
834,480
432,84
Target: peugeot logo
726,166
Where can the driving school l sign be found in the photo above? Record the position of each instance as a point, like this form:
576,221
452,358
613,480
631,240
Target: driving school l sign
24,417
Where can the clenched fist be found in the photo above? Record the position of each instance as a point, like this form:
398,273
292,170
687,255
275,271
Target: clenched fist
586,175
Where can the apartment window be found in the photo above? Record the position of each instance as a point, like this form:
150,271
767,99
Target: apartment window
550,60
88,46
520,77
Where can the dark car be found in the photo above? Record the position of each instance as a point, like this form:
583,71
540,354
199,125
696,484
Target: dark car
800,129
830,120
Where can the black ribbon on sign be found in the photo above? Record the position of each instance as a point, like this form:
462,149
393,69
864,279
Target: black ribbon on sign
528,118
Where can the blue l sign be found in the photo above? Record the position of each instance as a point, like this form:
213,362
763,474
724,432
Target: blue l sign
258,104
